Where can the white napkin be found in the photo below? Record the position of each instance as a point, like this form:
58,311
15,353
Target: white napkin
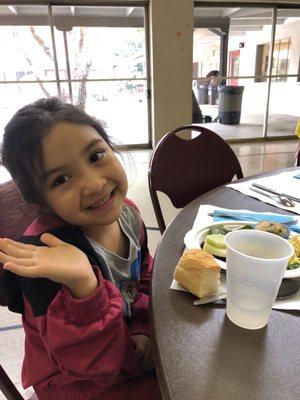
283,182
203,219
288,303
205,300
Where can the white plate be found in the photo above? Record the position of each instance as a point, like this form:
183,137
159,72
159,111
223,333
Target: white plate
195,237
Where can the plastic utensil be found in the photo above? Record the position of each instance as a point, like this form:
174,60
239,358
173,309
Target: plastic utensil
273,191
281,199
247,217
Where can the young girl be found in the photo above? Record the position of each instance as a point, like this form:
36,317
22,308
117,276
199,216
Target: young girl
80,274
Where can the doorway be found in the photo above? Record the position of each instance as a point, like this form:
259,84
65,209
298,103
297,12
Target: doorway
234,63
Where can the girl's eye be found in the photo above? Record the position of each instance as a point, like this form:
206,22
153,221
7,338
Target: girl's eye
96,156
60,180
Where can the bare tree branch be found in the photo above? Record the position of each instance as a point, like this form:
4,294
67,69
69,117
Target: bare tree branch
41,42
28,59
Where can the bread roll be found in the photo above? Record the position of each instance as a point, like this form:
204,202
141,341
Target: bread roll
198,272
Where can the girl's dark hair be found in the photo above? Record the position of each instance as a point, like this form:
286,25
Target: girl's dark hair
22,141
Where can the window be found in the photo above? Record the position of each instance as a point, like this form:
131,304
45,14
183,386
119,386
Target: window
91,56
280,65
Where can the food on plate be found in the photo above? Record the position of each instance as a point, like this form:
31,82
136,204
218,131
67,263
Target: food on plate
273,227
295,241
198,272
214,241
215,244
226,228
294,262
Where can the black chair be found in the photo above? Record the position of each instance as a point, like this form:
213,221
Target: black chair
8,388
198,117
297,157
185,169
15,216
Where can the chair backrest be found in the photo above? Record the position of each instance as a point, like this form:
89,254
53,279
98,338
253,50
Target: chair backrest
8,388
15,214
185,169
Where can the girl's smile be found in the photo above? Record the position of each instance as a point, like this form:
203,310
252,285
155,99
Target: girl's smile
84,183
100,204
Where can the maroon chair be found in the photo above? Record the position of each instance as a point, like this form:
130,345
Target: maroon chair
8,388
15,216
184,169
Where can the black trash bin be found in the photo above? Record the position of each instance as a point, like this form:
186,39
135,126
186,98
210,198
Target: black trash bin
202,93
230,104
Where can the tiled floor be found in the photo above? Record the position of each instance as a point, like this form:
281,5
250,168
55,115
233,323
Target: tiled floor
254,158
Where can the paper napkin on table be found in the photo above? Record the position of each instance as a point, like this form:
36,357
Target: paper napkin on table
284,182
205,300
286,303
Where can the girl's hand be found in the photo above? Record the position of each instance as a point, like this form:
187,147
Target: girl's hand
58,261
143,352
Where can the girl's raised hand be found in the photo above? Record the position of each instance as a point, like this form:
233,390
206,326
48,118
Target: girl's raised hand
58,261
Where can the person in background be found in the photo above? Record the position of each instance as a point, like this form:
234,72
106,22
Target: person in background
213,77
80,275
211,82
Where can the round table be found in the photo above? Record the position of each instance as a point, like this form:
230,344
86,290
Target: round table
200,354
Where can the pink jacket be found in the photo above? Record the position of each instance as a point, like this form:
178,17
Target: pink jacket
76,349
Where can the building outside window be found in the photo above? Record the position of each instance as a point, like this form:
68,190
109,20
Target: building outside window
280,65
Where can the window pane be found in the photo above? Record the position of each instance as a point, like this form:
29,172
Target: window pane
206,52
121,106
106,64
18,95
284,109
248,30
28,53
287,45
283,115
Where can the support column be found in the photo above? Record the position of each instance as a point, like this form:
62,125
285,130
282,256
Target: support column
171,47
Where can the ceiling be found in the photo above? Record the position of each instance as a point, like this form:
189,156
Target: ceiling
240,19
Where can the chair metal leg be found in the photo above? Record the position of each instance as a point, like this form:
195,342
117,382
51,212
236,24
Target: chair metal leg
8,388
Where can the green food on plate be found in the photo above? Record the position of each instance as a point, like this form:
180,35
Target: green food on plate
215,245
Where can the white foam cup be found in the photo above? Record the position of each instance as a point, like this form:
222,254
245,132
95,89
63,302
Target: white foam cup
256,262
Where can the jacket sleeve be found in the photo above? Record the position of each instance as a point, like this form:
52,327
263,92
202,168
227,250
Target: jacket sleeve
87,338
139,322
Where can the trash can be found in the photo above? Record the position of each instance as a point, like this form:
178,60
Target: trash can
202,93
213,91
230,104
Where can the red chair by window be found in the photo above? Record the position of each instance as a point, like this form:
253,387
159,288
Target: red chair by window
185,169
15,216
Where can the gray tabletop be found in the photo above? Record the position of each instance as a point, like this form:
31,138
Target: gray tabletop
200,354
